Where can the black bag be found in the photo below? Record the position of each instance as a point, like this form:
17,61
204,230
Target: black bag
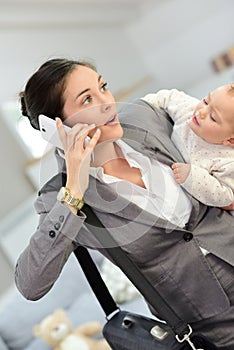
128,331
125,330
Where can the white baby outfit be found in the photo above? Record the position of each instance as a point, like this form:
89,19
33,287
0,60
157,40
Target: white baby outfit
211,179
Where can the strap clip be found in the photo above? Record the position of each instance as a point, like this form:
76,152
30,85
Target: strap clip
187,338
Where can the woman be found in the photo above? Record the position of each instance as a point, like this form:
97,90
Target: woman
184,248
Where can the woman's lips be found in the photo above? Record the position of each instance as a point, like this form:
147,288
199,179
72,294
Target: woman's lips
113,121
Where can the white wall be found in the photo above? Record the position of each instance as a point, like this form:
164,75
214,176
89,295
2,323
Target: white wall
173,40
179,39
23,50
203,87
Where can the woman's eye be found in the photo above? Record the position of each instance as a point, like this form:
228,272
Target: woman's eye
104,87
87,100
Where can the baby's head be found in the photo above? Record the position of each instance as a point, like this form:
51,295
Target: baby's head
213,118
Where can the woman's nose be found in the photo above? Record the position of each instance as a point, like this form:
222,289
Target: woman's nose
105,107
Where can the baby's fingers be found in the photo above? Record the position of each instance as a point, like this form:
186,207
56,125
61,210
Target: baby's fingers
176,166
176,172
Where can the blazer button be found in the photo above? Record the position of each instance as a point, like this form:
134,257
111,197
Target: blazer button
61,218
188,236
57,226
52,234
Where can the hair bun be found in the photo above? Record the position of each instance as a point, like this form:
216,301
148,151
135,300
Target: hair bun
23,106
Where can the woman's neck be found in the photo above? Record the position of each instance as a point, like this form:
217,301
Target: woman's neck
106,152
110,157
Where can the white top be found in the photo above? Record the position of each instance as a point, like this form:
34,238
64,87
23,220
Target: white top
211,179
162,196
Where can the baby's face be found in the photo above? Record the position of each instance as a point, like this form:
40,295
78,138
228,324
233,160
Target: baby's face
213,118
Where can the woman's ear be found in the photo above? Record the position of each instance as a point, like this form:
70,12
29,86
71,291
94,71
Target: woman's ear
229,142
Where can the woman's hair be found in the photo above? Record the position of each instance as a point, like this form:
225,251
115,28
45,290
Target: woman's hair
44,90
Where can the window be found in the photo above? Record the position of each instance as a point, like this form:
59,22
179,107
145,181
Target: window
29,138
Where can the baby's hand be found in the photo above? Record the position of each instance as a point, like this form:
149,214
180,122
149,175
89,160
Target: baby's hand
181,172
229,207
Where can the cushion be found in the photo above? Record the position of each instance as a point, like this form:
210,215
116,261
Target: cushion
18,315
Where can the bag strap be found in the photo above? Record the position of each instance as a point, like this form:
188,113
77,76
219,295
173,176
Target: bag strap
95,281
130,269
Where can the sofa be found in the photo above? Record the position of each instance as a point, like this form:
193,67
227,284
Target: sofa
71,292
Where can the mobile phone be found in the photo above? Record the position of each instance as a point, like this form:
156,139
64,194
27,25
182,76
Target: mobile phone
49,131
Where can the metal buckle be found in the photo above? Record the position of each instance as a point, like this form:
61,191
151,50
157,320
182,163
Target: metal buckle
108,317
158,333
187,338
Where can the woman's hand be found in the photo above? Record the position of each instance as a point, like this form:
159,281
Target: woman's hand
181,172
77,156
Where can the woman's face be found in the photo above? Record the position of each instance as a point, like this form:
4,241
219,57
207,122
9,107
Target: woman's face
88,101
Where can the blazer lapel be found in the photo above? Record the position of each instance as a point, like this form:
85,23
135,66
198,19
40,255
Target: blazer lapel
148,129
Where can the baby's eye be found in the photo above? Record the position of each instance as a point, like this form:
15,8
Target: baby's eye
212,117
87,100
104,87
205,101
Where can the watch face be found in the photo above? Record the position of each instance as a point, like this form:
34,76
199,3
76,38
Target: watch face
61,194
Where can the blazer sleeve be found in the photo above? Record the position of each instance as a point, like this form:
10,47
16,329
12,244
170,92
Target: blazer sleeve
40,264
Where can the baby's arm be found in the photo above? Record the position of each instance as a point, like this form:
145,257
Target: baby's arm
207,188
176,103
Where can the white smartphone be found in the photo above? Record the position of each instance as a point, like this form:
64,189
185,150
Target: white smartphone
49,131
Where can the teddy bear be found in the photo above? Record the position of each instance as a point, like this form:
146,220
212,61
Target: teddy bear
57,331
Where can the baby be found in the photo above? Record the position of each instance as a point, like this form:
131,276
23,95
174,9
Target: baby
204,134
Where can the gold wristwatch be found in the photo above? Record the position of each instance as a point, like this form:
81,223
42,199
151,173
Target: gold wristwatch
64,195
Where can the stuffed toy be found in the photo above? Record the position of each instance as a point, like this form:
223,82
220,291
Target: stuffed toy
56,331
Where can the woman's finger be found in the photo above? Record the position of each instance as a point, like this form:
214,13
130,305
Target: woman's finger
62,132
79,136
76,134
92,142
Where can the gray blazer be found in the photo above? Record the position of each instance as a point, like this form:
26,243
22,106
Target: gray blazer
169,256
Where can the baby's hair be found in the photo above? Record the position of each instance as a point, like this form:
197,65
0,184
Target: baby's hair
231,89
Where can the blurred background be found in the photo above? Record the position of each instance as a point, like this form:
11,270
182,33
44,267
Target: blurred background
138,46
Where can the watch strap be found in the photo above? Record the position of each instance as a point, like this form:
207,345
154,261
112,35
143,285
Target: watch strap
72,201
